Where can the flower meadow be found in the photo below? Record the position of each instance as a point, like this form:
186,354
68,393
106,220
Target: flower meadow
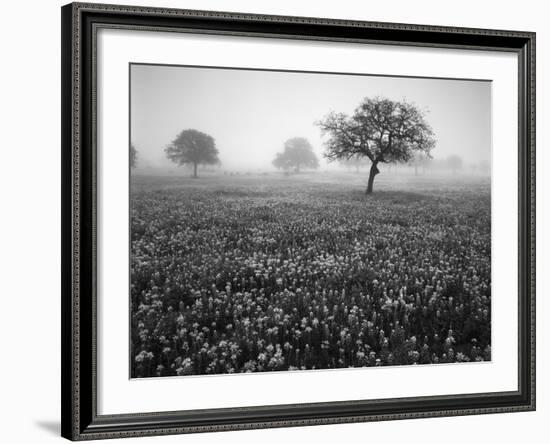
267,273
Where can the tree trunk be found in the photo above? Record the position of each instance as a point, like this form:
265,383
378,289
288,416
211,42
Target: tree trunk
195,170
373,172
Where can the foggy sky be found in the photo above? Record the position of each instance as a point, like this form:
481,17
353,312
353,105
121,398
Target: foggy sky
251,114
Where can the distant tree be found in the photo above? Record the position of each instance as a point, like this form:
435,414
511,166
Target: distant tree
281,162
454,163
298,153
383,130
485,166
354,162
133,156
193,147
420,160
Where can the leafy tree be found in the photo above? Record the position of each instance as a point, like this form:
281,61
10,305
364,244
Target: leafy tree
133,156
383,130
298,153
454,163
281,162
193,147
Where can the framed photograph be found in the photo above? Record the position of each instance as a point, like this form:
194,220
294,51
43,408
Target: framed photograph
280,221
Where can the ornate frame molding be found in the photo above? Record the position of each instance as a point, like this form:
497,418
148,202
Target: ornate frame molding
79,413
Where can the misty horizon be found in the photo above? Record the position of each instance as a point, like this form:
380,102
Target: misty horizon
251,113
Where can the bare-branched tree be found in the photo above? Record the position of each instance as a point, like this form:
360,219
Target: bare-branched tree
383,130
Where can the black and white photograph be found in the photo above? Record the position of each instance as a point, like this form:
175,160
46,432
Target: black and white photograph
296,221
275,221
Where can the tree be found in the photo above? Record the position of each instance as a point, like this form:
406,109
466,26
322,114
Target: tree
420,160
133,156
354,162
485,166
454,163
380,129
298,153
193,147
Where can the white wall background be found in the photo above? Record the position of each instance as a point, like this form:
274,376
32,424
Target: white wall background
30,220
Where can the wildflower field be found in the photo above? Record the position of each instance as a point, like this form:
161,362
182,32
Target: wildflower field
254,273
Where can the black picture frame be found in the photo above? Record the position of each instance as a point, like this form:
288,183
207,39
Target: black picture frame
79,395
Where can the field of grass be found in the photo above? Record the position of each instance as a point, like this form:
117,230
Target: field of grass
246,273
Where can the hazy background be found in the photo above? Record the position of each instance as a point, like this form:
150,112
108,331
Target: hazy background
251,113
